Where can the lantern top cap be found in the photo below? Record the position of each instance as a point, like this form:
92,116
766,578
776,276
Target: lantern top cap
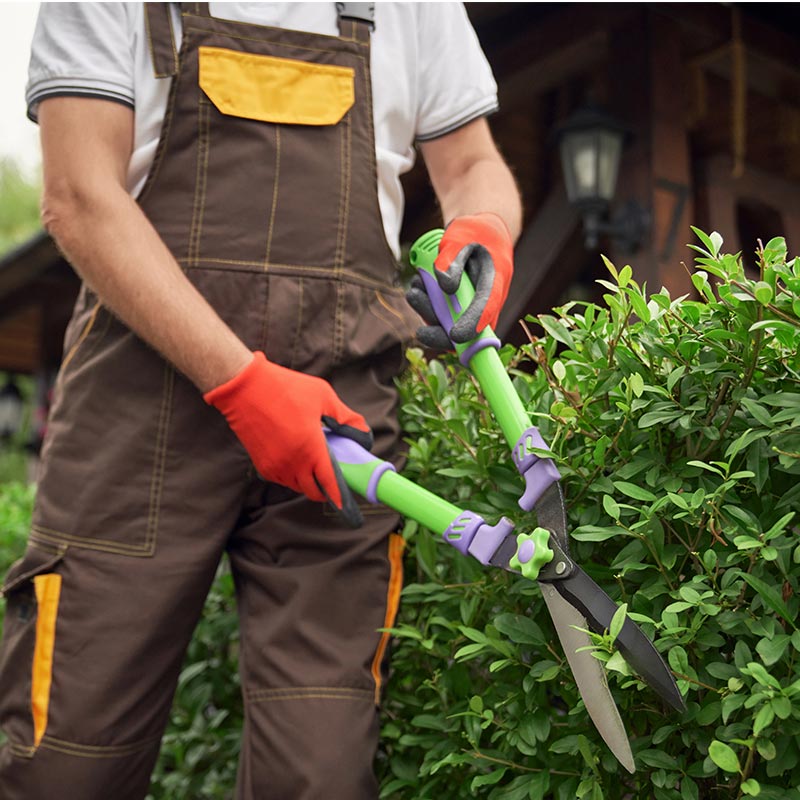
591,117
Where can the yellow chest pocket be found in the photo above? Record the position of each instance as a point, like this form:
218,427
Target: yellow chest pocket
271,89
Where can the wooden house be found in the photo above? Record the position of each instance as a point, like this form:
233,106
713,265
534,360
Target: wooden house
708,92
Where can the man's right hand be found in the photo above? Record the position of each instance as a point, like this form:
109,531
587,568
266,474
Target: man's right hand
278,414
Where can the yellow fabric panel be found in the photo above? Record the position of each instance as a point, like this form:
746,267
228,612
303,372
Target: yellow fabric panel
271,89
48,591
396,547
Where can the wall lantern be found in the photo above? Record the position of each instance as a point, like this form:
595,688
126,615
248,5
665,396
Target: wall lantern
590,142
11,410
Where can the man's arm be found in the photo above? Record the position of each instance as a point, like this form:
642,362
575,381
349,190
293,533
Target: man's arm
469,176
277,413
86,146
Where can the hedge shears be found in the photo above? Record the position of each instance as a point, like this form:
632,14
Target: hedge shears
542,554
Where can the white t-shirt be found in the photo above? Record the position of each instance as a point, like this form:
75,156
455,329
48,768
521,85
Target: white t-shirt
429,74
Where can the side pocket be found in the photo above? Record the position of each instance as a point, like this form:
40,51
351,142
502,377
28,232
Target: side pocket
32,591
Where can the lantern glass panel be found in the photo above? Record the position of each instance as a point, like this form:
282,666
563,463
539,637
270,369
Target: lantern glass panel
609,152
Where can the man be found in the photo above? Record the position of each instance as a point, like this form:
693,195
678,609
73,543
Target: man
225,180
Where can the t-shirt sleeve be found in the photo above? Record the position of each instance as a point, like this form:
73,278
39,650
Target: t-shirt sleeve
456,84
81,49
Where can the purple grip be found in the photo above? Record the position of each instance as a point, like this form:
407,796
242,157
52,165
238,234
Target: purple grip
346,451
447,320
488,539
439,301
377,474
539,473
478,345
470,535
462,530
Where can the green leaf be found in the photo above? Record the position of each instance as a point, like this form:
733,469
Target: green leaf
594,533
782,706
723,756
617,621
557,330
751,787
539,785
770,597
520,629
689,790
634,491
772,650
658,418
779,526
758,411
610,506
636,382
766,749
488,780
708,467
764,719
763,293
657,759
476,704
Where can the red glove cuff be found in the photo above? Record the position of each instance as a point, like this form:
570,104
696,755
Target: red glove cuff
490,230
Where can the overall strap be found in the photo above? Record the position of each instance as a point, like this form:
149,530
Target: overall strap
198,9
356,20
161,38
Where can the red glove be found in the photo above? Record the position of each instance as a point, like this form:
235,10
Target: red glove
278,413
481,244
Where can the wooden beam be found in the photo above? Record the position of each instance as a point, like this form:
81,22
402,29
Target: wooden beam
647,90
553,69
536,255
724,191
21,266
20,340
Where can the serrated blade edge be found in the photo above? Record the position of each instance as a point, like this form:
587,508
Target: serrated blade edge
590,676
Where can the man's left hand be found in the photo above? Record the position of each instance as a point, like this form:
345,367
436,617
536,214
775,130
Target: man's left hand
481,245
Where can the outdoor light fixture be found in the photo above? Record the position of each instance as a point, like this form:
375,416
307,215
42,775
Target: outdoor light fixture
590,142
11,410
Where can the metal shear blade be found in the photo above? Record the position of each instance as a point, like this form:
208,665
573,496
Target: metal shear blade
576,602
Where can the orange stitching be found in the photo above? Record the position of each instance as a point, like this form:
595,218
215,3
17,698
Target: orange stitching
166,127
297,330
388,321
206,135
299,692
290,45
91,751
273,210
59,538
84,333
287,269
159,462
175,61
199,186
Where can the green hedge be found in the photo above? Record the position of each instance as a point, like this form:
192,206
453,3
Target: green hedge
676,426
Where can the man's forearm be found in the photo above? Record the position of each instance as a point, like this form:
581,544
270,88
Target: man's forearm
487,185
86,148
115,249
470,176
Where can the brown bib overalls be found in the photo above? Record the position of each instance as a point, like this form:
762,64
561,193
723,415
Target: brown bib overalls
264,188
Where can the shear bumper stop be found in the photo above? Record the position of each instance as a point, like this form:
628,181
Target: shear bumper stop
539,473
